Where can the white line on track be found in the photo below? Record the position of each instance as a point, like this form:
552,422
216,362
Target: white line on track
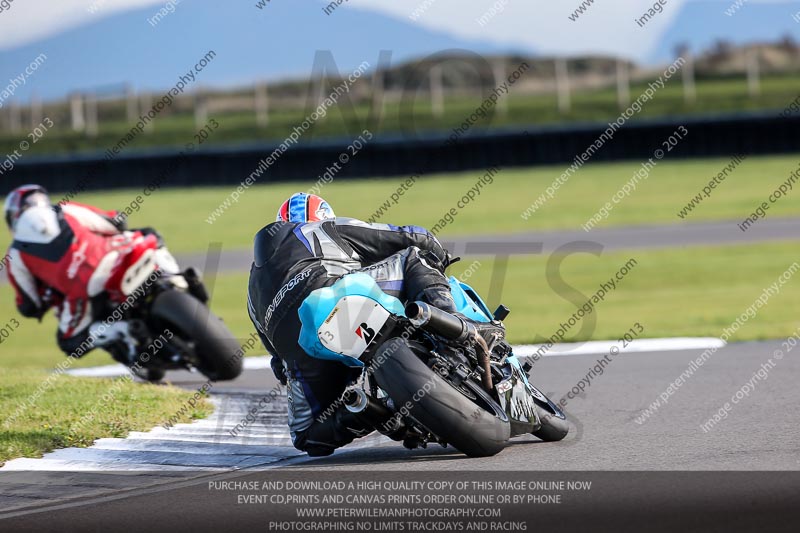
527,350
635,346
203,445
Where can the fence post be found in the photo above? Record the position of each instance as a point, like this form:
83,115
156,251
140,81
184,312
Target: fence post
131,104
753,74
623,84
689,90
562,85
319,88
200,109
499,71
437,91
36,110
262,104
14,117
378,93
91,115
146,102
77,118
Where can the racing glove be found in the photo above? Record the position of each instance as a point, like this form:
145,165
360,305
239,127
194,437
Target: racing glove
278,369
439,264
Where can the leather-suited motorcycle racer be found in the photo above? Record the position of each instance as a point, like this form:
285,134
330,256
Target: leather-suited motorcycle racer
61,257
307,248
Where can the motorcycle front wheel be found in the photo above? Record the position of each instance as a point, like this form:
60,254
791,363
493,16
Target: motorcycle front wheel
554,427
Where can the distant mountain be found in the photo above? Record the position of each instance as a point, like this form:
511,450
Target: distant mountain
280,41
701,24
277,41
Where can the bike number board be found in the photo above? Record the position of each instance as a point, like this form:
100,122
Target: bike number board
353,325
138,273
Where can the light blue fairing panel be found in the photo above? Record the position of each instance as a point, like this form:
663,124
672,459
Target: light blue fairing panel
468,302
320,304
513,361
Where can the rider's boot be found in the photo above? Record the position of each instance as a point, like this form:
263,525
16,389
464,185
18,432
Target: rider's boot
196,286
351,420
116,339
339,429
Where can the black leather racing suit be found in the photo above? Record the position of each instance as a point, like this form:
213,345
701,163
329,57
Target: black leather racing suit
291,261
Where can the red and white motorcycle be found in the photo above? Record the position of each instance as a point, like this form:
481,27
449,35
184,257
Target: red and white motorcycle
164,314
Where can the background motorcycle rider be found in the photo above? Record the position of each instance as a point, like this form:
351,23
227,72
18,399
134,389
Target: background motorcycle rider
309,248
62,256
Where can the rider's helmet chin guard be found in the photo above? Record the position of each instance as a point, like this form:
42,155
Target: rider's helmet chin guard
303,207
21,199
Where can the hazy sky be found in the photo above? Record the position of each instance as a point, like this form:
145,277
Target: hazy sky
29,20
542,25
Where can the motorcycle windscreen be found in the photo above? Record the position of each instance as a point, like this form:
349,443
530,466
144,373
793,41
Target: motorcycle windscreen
342,322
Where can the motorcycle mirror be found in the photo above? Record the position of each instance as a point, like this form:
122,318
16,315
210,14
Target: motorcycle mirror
501,313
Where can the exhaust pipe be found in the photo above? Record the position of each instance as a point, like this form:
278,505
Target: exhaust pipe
374,414
435,320
356,401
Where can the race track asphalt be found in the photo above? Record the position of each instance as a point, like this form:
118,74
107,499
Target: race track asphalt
760,433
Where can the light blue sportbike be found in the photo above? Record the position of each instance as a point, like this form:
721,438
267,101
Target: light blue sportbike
428,377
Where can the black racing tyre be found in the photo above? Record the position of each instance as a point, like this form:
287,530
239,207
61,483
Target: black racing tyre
155,375
151,375
444,410
554,428
215,345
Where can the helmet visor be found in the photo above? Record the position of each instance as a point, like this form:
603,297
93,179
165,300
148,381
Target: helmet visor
35,199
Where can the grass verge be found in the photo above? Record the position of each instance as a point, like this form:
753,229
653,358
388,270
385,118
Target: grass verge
76,412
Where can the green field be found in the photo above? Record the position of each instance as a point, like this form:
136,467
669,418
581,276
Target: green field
727,95
181,215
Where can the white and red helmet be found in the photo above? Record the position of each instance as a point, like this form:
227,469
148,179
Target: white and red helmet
302,207
21,199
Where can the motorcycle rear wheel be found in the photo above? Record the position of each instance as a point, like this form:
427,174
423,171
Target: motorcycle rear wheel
215,345
443,410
